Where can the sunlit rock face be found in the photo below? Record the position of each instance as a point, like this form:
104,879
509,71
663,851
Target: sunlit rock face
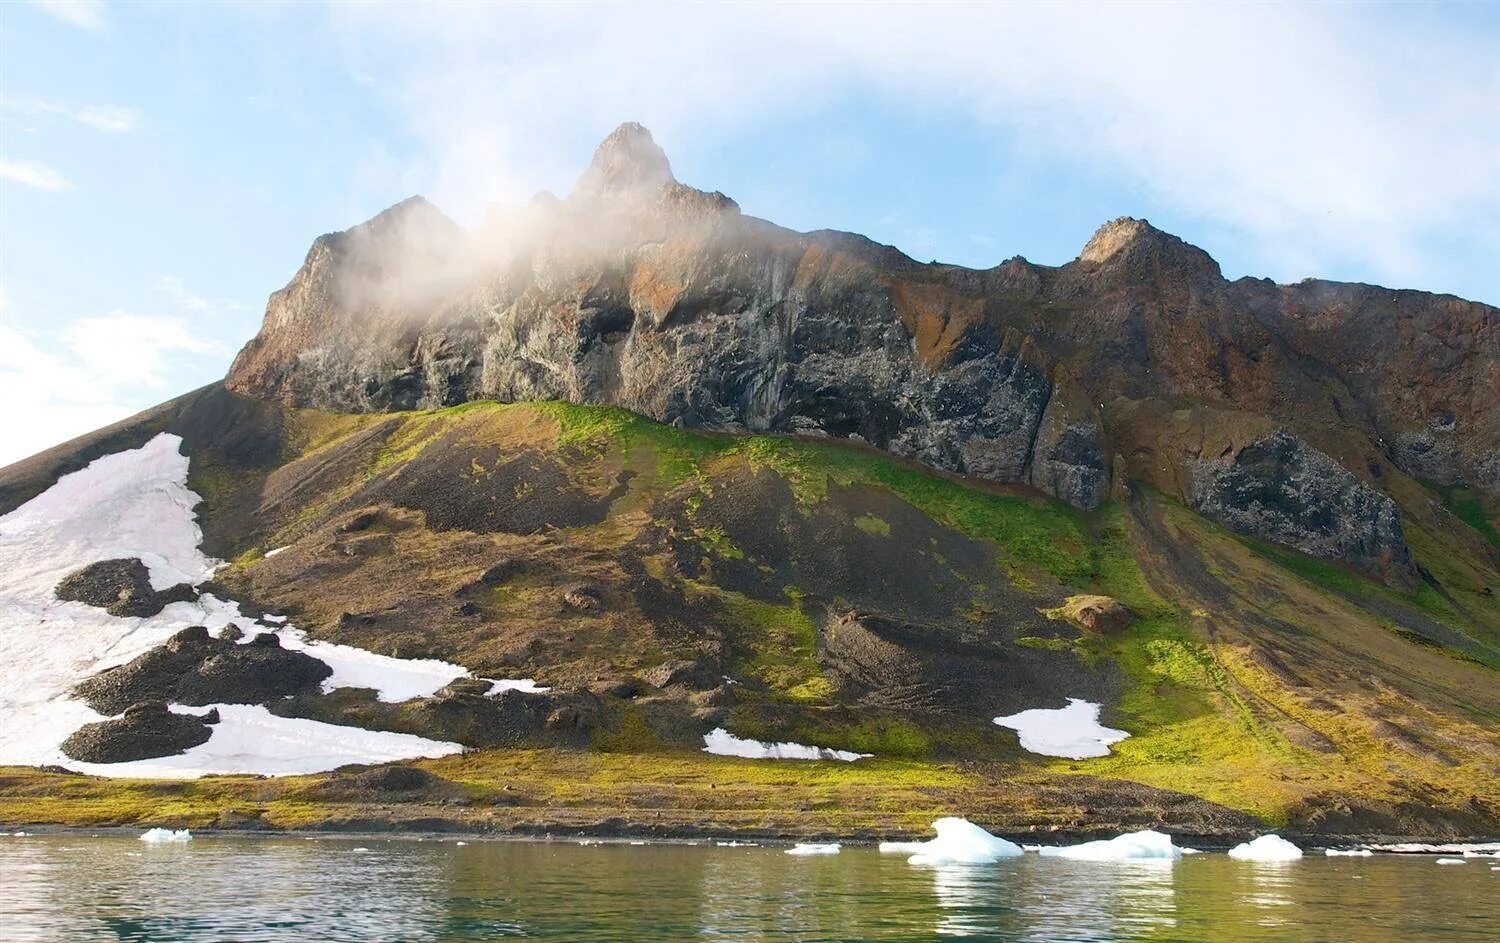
1137,361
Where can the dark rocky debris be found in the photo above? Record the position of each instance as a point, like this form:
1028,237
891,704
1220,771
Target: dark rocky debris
146,730
121,588
194,668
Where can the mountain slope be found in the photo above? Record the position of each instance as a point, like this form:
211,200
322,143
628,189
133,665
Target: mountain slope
624,469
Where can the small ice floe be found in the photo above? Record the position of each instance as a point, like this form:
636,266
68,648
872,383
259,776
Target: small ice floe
527,685
460,844
814,848
360,848
1133,846
1450,848
958,841
272,553
1073,732
1450,861
1191,851
736,844
638,843
723,743
19,834
1266,848
161,836
1347,853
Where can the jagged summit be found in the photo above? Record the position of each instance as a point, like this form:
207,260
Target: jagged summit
1136,243
628,161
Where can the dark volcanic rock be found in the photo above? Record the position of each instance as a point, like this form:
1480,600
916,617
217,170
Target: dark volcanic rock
145,731
1281,489
641,292
194,668
121,588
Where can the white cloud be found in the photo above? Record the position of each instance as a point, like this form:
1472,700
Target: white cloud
1320,134
110,119
85,14
96,371
186,299
32,174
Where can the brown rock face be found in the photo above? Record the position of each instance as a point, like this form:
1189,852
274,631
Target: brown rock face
1102,615
641,292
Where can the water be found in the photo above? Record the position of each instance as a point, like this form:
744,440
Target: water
75,889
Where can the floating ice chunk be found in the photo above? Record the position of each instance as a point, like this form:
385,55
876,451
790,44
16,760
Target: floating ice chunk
1451,861
736,844
1266,848
1073,731
460,843
272,553
723,743
1133,846
160,836
1349,853
250,739
527,685
831,848
958,841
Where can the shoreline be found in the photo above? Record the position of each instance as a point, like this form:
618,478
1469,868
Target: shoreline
571,834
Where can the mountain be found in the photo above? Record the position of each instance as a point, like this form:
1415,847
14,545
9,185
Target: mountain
621,471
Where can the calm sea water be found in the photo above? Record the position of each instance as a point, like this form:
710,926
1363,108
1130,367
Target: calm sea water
68,888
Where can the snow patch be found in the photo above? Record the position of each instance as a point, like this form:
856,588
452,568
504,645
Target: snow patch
161,836
813,849
1133,846
1350,853
272,553
1073,731
250,739
958,841
136,504
1266,848
721,742
514,684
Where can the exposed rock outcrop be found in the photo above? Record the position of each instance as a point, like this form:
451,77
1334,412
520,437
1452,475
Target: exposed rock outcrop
121,588
1281,489
194,668
642,292
145,731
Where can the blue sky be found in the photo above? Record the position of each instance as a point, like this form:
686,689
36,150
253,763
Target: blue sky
164,167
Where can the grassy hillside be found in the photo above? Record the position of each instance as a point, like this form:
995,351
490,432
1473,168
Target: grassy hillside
593,550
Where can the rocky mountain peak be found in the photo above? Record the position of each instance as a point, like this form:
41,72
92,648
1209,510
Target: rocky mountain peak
1136,245
629,161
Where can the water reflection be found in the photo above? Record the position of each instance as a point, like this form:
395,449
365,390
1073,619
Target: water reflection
279,889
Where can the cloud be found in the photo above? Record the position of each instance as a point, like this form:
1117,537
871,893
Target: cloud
109,119
85,14
32,174
1319,134
177,291
96,371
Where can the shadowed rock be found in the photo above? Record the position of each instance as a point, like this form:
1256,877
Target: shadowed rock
145,731
121,588
194,668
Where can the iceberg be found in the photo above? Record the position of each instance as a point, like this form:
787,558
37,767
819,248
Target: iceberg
161,836
1073,732
804,848
958,841
1133,846
721,742
1266,848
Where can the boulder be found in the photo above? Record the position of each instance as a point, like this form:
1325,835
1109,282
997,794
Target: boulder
145,730
122,588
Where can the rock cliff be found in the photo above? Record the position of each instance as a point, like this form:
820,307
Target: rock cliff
1273,409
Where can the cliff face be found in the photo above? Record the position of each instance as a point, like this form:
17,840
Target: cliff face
1272,409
